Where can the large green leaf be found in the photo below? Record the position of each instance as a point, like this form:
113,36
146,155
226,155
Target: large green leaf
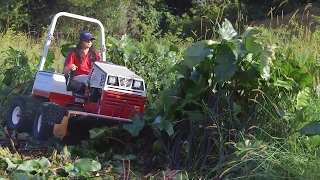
197,52
169,98
113,41
236,108
66,48
44,162
86,165
163,124
283,84
7,80
303,98
10,164
96,132
251,31
157,146
49,59
25,176
296,74
226,30
168,126
135,127
252,44
238,48
247,145
313,141
266,61
196,77
129,51
194,115
248,78
304,81
29,166
24,60
226,63
312,128
13,70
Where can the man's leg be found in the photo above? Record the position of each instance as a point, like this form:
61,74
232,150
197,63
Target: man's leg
81,78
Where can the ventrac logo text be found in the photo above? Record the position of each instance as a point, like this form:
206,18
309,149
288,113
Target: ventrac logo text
94,78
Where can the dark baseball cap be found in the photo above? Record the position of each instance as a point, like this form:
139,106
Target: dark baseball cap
86,35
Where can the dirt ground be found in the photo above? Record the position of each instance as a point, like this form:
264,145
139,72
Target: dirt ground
305,15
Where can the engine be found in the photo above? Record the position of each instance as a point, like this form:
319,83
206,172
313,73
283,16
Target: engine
122,91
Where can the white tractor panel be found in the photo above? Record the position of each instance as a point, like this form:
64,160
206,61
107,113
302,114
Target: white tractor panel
97,77
43,81
51,82
59,84
116,70
101,70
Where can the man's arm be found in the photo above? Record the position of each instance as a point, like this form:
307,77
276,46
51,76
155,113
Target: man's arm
98,56
68,62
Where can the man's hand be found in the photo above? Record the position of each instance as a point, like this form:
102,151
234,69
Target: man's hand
73,67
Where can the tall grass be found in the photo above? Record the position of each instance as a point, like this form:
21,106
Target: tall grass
33,47
289,155
286,155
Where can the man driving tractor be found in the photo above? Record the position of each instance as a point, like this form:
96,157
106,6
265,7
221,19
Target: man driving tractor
80,59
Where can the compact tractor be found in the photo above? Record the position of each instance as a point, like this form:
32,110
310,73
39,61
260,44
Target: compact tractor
111,95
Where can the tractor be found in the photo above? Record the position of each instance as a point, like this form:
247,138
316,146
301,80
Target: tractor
112,94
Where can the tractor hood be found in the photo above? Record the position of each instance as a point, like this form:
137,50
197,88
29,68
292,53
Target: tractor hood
116,70
107,75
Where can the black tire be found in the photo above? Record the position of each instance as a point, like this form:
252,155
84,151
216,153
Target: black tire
21,113
47,115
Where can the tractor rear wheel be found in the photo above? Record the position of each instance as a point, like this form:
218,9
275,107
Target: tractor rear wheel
47,115
20,114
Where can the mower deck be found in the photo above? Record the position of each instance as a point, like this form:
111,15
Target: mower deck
61,130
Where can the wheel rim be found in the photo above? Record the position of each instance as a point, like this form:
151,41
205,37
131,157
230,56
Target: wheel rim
16,115
39,123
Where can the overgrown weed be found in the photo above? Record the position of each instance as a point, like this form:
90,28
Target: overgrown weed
33,47
272,151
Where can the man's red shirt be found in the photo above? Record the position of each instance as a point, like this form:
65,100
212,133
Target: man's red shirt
85,66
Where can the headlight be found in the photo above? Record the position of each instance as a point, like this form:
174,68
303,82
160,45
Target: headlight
112,80
137,85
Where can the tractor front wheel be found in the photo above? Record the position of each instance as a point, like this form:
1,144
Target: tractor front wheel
47,115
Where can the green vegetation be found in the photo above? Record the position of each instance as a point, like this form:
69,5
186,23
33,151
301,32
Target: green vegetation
224,101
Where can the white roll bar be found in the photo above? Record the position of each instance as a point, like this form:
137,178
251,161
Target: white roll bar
51,30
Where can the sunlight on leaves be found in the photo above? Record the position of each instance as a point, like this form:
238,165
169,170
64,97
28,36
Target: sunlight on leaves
252,44
247,145
226,30
303,98
283,84
265,62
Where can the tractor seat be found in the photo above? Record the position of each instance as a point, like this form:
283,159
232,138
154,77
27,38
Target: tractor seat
74,86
